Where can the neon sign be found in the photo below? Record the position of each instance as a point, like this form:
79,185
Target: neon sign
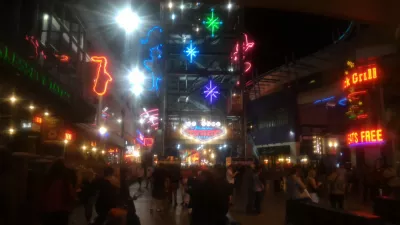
68,136
204,132
149,117
148,142
14,60
62,58
212,23
365,137
155,53
324,100
37,120
211,91
247,45
102,77
362,77
191,51
35,44
140,137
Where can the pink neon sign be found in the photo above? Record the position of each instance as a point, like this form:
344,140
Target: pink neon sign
149,117
246,47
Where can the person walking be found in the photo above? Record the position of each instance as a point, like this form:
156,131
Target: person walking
140,176
337,184
107,199
258,190
58,195
230,178
312,185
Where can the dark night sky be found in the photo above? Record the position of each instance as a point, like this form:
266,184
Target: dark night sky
278,34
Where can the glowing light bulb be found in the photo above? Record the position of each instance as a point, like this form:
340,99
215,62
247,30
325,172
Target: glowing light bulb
170,5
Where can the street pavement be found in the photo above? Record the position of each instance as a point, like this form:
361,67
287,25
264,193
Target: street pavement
273,210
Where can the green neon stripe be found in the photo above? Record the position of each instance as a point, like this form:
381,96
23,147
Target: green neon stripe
13,59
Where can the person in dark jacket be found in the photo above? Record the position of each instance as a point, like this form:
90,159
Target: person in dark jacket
107,197
210,200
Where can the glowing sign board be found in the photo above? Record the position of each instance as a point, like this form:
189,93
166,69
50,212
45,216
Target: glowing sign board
140,137
206,132
365,137
360,77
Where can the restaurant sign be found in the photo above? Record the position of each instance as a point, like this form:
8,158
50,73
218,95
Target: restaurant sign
360,76
27,70
365,137
204,132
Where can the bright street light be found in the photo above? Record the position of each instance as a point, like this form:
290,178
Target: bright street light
128,20
102,130
13,99
46,113
119,120
94,149
170,5
65,141
11,131
84,147
136,78
31,107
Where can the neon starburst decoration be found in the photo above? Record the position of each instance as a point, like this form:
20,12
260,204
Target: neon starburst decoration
211,91
191,51
212,23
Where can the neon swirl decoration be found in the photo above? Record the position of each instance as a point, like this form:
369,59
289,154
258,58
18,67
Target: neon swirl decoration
155,54
191,51
211,91
102,76
247,46
212,23
62,58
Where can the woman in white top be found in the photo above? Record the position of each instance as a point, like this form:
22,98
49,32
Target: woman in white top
230,178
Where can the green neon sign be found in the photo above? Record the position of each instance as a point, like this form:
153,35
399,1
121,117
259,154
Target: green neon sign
13,59
212,23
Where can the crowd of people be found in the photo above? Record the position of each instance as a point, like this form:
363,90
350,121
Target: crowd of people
206,193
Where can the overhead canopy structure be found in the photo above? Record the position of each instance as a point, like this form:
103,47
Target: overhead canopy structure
372,11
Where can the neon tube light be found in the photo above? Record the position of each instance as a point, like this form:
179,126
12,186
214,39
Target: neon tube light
212,23
100,88
365,137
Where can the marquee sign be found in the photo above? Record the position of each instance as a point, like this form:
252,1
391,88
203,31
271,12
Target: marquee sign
204,132
365,137
360,76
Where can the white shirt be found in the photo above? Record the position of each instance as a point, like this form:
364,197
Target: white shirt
229,176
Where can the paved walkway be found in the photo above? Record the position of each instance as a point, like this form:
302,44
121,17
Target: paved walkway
273,211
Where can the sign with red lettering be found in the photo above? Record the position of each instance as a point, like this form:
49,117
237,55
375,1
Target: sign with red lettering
365,137
203,134
360,76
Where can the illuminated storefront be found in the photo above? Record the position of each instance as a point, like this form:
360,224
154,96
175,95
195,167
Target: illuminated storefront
366,136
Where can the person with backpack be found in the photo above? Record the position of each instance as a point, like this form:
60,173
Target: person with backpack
337,184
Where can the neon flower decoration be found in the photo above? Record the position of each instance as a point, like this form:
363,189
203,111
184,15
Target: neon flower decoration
35,44
365,137
191,51
204,132
102,77
211,91
149,64
247,45
212,23
149,117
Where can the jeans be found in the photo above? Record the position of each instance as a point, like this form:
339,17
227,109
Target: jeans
336,201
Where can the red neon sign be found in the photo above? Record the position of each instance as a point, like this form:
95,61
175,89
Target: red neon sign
246,46
37,120
148,142
68,136
35,44
361,77
102,77
62,58
365,137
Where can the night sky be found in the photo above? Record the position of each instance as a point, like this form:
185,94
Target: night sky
279,33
